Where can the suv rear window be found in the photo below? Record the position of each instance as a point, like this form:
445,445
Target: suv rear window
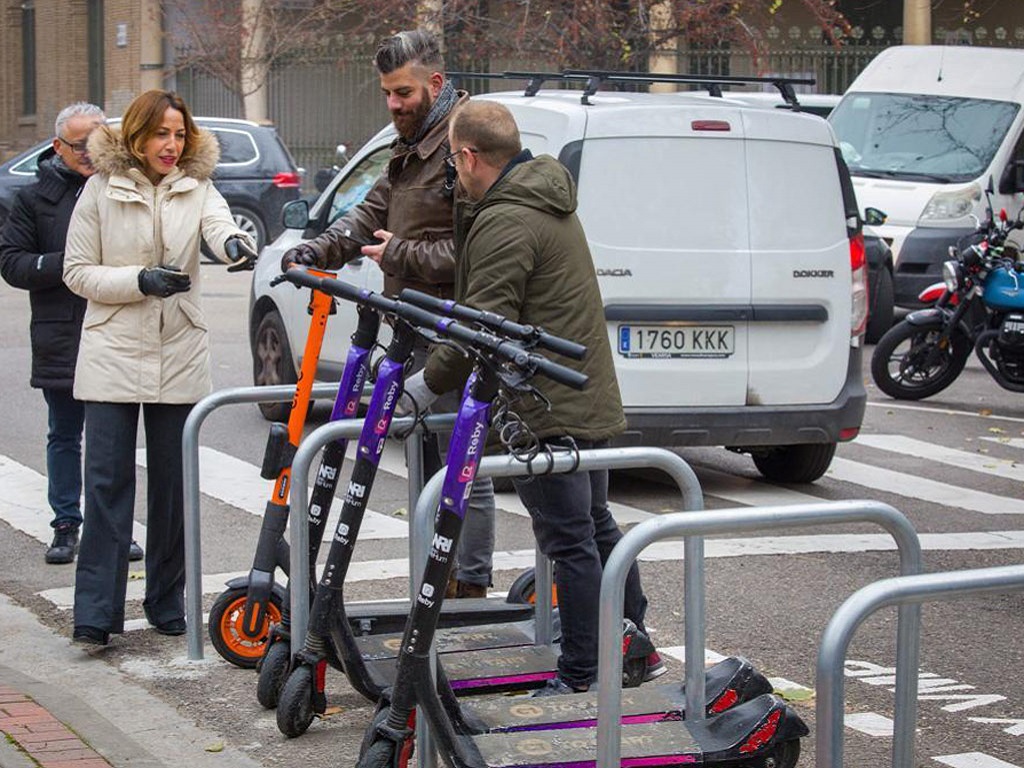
236,147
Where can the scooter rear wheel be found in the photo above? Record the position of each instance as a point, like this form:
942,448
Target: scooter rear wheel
274,670
785,755
295,705
523,590
226,633
380,754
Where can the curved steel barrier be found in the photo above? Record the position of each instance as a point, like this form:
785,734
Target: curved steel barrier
902,591
736,521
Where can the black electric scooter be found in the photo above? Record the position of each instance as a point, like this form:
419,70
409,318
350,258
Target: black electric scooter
759,732
733,681
369,661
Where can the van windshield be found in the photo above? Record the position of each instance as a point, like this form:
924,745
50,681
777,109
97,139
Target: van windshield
918,137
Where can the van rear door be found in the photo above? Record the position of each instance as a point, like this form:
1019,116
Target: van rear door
799,340
663,202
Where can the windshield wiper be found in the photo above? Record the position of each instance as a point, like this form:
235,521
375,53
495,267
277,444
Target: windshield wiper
873,174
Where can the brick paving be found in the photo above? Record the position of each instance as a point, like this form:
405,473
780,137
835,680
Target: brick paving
41,736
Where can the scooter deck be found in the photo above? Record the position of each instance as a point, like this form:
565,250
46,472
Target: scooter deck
487,670
457,639
665,743
732,680
389,616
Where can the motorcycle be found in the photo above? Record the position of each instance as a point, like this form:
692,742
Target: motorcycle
979,305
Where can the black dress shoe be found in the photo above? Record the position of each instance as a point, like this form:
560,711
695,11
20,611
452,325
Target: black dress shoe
65,544
135,552
90,635
174,627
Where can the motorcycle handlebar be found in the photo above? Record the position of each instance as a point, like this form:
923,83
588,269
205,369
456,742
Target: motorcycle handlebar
503,349
495,322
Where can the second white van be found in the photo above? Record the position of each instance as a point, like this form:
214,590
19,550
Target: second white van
923,129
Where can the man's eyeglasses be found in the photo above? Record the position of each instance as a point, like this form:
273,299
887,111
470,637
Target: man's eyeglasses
449,159
79,149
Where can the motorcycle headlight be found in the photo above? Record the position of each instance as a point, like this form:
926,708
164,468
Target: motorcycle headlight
952,205
952,275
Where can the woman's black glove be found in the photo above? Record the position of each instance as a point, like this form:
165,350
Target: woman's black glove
301,255
163,281
242,257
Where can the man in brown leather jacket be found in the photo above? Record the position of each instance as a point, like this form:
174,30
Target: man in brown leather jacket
408,212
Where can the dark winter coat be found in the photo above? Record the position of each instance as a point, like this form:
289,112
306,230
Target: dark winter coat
521,252
410,200
32,257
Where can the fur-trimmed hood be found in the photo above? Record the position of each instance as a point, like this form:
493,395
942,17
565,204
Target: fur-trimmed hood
109,156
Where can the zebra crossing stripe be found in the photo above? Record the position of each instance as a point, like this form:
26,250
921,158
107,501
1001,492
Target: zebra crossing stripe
902,484
976,462
973,760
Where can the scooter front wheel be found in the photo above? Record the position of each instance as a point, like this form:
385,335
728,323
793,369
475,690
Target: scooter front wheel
273,673
225,628
295,705
381,754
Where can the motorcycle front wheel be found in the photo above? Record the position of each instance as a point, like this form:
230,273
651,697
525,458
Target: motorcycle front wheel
910,363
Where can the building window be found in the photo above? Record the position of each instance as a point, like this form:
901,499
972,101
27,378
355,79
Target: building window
28,57
94,22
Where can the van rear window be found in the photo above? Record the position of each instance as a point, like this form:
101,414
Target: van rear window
941,139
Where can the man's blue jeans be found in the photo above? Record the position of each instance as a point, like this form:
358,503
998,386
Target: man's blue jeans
64,456
576,530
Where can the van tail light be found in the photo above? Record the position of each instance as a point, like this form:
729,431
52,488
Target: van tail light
859,285
287,180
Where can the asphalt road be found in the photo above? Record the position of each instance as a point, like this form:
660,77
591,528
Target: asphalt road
949,464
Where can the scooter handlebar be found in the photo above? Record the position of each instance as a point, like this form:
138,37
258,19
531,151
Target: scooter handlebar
446,326
495,322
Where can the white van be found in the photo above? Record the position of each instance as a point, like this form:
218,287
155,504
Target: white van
923,129
708,220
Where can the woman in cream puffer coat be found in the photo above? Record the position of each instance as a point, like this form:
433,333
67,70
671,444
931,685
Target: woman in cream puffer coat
133,253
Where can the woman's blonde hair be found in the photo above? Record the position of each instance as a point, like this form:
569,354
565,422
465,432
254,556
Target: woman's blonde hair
144,116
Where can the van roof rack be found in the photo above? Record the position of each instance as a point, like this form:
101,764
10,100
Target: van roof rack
595,78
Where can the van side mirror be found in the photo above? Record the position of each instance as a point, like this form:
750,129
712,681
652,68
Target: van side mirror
295,215
874,217
1012,179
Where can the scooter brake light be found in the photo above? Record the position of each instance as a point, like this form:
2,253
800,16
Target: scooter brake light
728,699
762,735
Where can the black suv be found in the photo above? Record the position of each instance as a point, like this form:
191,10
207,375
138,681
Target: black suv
256,174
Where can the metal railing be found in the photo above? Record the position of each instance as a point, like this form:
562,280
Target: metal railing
737,521
190,491
422,532
903,591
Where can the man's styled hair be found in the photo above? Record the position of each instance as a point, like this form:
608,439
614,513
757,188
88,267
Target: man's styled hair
489,128
417,46
78,109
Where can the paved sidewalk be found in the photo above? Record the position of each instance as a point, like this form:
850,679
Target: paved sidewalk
64,707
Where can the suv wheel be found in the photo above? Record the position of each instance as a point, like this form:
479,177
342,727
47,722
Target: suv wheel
250,222
272,363
794,463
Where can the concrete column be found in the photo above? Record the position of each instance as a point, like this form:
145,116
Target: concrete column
151,46
917,22
255,69
664,60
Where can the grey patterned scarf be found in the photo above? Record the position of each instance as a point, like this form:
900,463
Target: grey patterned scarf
442,106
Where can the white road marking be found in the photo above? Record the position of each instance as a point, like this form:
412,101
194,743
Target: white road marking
1015,726
973,760
749,492
1013,442
239,484
976,462
944,411
24,506
678,652
869,723
921,488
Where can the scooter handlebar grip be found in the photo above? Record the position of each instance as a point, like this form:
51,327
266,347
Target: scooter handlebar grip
560,373
495,322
